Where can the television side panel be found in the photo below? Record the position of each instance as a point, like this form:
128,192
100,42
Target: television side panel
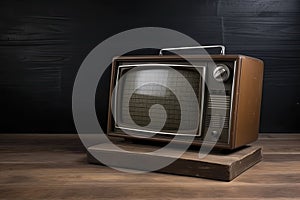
249,101
112,85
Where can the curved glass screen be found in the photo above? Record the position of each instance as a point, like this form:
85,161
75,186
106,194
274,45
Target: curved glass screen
145,96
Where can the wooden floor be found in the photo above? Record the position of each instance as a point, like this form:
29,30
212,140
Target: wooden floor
54,167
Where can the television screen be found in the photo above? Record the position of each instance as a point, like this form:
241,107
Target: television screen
138,90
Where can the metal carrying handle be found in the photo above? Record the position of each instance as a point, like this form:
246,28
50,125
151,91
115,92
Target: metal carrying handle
195,47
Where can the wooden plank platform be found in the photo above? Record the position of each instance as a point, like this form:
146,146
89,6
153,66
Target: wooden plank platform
54,166
217,165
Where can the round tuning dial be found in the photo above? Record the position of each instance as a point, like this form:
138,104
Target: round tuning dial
221,73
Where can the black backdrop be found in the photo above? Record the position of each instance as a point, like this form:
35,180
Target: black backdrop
42,44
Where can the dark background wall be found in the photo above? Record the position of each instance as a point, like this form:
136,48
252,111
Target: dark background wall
42,44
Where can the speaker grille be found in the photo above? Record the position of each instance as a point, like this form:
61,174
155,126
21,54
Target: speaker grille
216,121
219,102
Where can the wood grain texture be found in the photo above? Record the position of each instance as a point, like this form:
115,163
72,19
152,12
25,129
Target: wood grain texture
216,165
258,8
43,43
49,166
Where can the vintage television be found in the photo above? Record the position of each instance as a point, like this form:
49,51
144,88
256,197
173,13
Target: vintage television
228,90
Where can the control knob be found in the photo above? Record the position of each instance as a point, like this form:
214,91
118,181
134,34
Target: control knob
221,73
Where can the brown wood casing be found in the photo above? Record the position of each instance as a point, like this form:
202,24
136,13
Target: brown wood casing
245,100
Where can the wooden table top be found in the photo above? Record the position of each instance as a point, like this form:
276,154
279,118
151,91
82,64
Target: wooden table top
54,166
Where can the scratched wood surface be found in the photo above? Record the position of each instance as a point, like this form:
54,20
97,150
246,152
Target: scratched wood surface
54,166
